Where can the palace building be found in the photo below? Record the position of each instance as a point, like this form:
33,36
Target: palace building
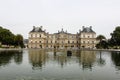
39,38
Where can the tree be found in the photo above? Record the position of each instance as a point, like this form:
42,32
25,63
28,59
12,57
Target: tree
100,37
102,42
6,36
19,40
115,37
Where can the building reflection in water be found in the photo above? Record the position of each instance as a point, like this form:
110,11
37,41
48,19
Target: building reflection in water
7,56
115,56
37,58
60,58
87,59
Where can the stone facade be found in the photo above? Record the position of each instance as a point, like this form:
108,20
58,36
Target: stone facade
39,38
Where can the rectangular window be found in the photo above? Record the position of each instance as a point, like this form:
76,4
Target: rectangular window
83,41
40,35
55,41
73,42
83,36
35,35
92,36
77,41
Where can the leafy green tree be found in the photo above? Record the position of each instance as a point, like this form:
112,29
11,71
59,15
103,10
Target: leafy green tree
100,37
19,40
102,42
115,37
8,38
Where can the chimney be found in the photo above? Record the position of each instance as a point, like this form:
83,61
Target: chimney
33,27
90,27
83,27
41,27
62,29
79,30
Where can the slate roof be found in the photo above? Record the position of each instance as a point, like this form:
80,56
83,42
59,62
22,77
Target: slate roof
88,30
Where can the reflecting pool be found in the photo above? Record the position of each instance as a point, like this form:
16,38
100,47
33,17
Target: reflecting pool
35,64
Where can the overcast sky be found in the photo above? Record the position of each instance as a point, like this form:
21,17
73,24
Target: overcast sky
21,15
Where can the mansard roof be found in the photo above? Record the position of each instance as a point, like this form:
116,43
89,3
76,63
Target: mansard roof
37,29
87,29
84,30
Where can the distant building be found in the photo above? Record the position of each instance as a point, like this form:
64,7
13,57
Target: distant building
39,38
25,41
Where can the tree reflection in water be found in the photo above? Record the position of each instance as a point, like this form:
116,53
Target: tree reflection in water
7,56
101,61
115,56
